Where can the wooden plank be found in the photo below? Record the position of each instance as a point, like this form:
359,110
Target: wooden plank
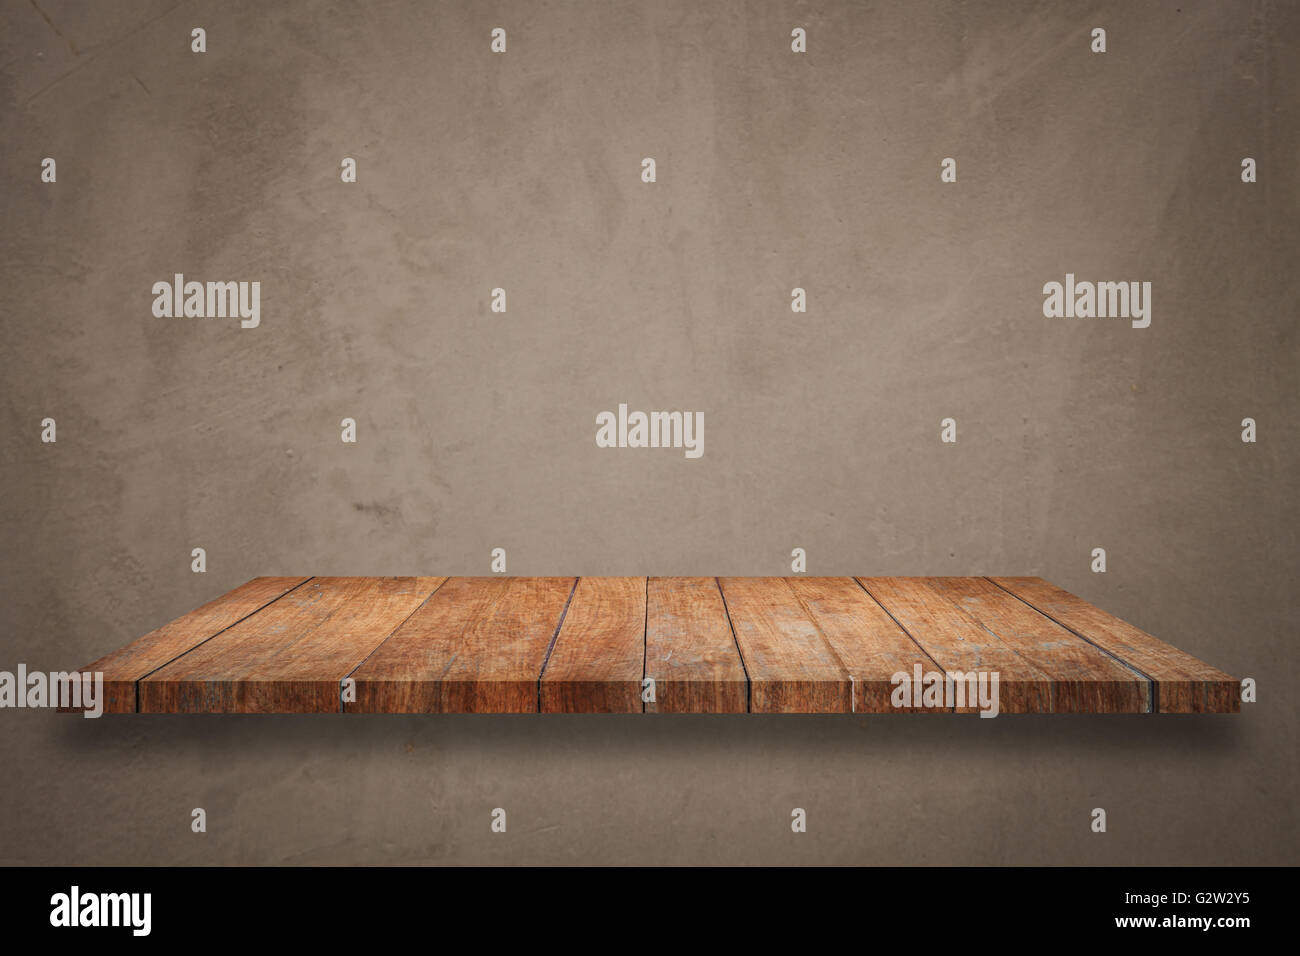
1183,684
792,670
769,645
127,665
870,644
598,659
690,651
289,657
477,646
1085,679
959,643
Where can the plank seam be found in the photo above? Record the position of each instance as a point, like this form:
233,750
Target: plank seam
921,649
812,619
256,610
555,637
749,684
645,648
1153,686
906,633
1051,678
387,636
1048,676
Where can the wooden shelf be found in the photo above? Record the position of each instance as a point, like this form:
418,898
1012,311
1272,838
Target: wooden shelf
710,645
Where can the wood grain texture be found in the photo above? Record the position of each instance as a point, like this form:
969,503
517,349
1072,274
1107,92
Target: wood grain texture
712,645
126,666
291,656
959,643
870,644
1084,678
476,646
791,667
690,651
598,659
1183,683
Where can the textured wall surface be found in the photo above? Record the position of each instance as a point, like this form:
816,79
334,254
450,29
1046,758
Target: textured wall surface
476,430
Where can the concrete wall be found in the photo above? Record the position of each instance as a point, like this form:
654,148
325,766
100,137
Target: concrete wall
476,430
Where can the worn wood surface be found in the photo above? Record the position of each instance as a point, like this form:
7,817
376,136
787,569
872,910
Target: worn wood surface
958,642
1083,678
124,668
868,642
690,652
1182,683
792,669
477,646
598,659
291,657
655,645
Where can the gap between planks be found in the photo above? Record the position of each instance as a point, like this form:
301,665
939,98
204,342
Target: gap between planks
798,645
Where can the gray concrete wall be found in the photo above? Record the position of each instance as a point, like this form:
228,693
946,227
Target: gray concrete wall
476,430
